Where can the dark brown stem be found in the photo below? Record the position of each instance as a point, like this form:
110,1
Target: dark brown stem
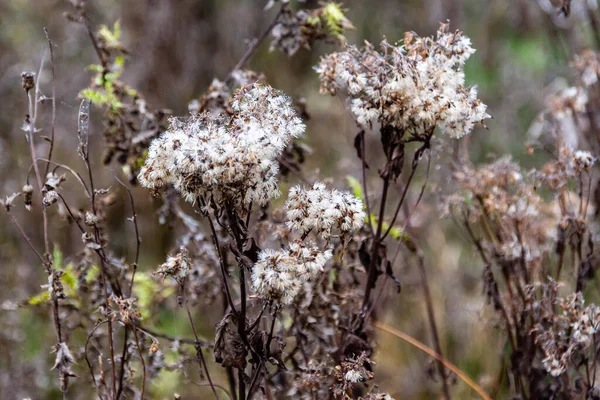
266,356
364,180
221,259
199,353
372,273
255,44
27,240
85,350
123,362
138,240
137,343
399,206
237,235
53,100
150,332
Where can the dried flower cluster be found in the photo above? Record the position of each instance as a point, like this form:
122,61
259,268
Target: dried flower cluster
232,162
297,289
524,240
280,275
325,212
414,87
299,29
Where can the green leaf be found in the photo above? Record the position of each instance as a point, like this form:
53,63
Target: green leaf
111,37
95,67
356,187
335,20
57,257
148,291
39,298
96,97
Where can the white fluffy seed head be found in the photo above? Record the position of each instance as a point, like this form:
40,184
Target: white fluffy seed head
326,212
415,87
233,161
279,275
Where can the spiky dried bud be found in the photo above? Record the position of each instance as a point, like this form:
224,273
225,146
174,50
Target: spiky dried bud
154,346
27,196
127,311
176,266
50,197
28,80
62,363
90,241
90,219
8,201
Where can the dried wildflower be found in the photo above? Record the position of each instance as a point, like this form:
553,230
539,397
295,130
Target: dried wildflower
53,181
567,102
234,163
8,201
588,66
55,286
90,241
569,164
90,218
28,80
154,346
414,87
583,160
127,311
49,198
279,275
349,373
554,366
326,212
176,266
63,362
218,97
27,196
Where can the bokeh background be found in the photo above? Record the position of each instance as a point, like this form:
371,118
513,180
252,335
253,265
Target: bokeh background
176,48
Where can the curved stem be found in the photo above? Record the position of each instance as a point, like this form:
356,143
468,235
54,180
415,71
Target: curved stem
424,348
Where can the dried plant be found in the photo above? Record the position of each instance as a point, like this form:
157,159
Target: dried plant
296,282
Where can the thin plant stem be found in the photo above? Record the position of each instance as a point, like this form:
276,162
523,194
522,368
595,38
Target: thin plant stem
137,343
256,43
50,46
199,353
432,323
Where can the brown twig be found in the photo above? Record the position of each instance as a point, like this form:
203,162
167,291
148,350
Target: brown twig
432,323
50,46
199,353
255,44
137,343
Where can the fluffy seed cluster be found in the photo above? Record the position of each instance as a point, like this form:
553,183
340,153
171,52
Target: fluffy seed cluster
232,162
176,266
567,166
414,87
326,212
587,65
279,275
572,332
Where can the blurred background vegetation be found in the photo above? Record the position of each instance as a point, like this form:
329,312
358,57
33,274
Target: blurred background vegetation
175,49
